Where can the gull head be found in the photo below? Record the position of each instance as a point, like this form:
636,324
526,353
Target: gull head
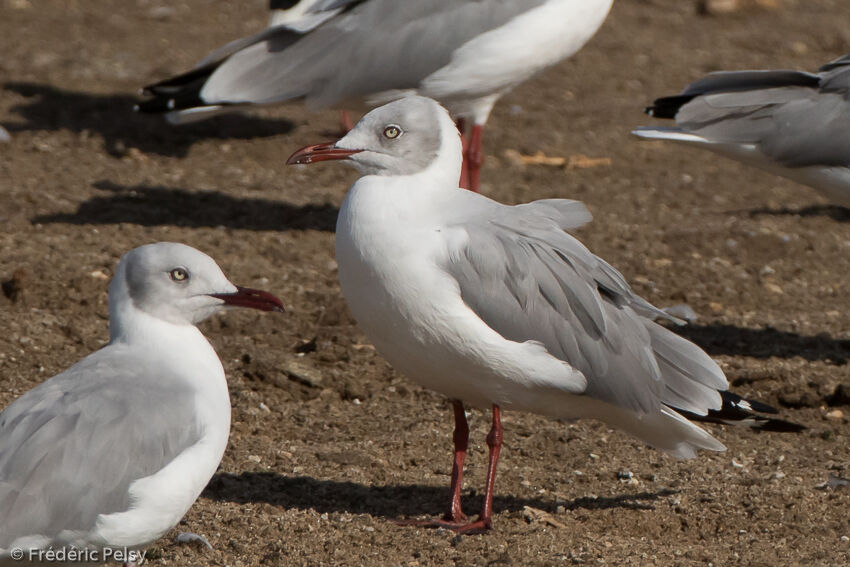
178,284
403,137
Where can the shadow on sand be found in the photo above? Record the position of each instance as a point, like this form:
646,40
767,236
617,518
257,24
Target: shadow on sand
765,343
111,116
394,501
156,206
835,212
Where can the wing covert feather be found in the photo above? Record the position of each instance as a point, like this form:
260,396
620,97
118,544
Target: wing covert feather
72,446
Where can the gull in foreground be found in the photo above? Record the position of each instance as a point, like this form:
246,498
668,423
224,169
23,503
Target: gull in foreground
497,306
104,458
464,53
790,123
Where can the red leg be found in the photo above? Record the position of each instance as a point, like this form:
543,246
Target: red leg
455,520
345,122
494,442
464,168
454,517
461,440
474,157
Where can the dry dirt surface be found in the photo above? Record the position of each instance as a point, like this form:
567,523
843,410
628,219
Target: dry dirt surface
329,444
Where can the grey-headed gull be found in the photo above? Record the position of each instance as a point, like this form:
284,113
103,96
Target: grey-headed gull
497,306
464,53
107,456
791,123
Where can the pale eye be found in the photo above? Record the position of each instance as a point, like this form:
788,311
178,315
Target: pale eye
392,131
179,274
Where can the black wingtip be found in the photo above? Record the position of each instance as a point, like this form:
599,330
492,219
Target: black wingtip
177,93
736,410
668,106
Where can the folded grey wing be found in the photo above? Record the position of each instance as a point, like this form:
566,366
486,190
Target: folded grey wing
796,119
529,280
374,46
71,447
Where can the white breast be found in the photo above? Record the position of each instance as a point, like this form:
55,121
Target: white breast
159,501
389,258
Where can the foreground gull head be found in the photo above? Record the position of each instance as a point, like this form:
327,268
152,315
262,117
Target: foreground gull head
110,454
464,53
791,123
497,305
395,139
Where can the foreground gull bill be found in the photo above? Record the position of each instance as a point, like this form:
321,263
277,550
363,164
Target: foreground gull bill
790,123
464,53
496,305
104,458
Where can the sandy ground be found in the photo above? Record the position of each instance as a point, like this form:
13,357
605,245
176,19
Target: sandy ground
328,442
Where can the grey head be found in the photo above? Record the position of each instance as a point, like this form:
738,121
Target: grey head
402,137
178,284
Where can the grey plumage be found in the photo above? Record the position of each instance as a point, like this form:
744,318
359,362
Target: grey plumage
368,48
791,123
113,451
529,280
499,305
96,417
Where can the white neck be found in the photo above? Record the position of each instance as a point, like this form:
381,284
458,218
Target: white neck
131,326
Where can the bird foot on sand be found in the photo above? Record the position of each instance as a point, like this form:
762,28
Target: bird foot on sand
189,537
459,526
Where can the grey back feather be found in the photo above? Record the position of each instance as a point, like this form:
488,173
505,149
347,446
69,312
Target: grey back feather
71,447
393,44
529,280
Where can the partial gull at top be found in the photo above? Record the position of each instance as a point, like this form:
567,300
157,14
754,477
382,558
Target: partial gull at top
496,305
464,53
791,123
113,451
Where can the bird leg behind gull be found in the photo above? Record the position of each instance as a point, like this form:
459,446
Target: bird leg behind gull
473,155
461,441
345,122
473,158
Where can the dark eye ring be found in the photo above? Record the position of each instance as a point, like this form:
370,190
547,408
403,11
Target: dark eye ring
392,131
179,275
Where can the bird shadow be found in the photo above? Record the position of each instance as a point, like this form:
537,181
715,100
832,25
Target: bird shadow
765,343
49,108
155,206
835,212
393,501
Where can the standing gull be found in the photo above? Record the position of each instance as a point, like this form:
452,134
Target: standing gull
790,123
464,53
497,306
111,453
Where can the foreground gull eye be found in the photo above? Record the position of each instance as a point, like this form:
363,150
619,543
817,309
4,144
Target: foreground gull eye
392,131
179,274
